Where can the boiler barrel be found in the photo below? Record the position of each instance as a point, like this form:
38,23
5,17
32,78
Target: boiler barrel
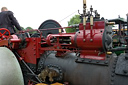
10,71
86,73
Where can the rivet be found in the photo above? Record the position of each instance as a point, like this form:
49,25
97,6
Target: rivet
114,67
112,83
112,75
113,71
112,79
114,63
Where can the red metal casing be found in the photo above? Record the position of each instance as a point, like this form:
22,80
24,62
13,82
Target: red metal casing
93,42
90,43
32,51
92,47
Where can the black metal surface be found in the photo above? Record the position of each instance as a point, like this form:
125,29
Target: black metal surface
42,61
107,39
116,78
85,73
127,24
49,24
122,65
95,62
81,73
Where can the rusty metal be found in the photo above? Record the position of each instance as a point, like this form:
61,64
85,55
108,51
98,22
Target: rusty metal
46,72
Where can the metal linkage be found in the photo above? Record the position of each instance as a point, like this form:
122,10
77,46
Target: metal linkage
27,66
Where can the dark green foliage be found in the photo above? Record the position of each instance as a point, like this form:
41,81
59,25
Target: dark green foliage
29,28
70,30
74,20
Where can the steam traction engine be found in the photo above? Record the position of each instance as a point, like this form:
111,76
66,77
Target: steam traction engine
82,58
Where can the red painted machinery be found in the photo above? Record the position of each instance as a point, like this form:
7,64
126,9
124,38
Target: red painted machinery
82,58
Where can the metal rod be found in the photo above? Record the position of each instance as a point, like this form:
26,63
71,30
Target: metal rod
84,19
127,24
91,24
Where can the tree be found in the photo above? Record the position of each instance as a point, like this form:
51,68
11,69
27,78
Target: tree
74,20
30,28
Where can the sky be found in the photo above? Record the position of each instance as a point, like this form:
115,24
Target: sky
32,13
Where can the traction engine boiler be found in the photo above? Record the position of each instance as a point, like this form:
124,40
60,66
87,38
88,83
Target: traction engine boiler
85,57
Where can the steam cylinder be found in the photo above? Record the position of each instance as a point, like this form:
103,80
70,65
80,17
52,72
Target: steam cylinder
81,73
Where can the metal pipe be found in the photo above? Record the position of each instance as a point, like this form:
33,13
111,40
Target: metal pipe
119,49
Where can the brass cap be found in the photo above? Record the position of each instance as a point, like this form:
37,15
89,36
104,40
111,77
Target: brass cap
109,53
110,23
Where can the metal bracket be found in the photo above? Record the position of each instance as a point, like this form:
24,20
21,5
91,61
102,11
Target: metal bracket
92,61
